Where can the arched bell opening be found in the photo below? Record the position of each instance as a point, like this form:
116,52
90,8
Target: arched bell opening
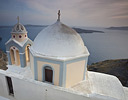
15,57
27,53
12,56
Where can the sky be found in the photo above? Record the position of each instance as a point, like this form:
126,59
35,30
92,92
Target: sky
87,13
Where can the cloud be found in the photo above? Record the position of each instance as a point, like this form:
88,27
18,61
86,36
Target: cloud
77,12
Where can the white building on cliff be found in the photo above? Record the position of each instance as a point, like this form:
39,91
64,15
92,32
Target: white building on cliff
54,67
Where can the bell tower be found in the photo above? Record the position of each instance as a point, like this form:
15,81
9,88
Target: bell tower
17,47
19,32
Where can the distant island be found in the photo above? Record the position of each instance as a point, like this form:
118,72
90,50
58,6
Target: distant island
118,28
29,25
79,30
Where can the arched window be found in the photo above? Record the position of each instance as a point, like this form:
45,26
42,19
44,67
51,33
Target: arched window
48,74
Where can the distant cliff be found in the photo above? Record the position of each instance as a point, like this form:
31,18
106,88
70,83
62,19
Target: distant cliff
79,30
118,28
3,60
118,68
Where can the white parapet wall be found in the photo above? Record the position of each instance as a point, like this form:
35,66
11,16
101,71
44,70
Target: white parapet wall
29,89
25,89
2,98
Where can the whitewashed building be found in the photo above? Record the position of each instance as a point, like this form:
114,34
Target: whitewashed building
57,69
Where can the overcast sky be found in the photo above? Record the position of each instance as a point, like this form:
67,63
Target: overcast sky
103,13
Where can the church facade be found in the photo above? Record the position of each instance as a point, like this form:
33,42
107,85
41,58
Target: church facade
57,56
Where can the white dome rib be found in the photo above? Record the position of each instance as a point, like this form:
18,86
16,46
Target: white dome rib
59,40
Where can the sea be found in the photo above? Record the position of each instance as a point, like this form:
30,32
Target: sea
112,44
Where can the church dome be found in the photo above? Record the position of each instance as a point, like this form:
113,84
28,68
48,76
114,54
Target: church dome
59,40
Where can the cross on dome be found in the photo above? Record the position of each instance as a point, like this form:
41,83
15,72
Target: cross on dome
58,15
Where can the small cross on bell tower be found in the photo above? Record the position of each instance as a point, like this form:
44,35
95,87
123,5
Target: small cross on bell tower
18,19
58,15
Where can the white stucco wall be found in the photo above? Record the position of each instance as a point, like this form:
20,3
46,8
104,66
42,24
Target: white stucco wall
2,98
29,89
25,89
75,73
126,92
32,63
